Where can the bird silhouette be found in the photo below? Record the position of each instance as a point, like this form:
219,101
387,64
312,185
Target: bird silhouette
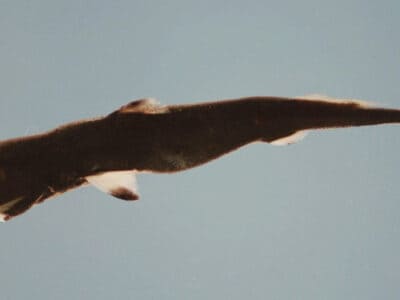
144,136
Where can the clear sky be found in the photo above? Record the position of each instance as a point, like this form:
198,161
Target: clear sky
315,220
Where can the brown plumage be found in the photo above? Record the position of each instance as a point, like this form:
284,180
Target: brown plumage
144,136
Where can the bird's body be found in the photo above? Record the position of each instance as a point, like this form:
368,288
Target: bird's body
143,136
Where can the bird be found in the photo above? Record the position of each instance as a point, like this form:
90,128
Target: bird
145,136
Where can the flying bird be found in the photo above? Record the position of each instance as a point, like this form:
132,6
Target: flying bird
144,136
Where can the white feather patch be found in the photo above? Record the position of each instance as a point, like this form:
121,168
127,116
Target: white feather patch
290,139
120,184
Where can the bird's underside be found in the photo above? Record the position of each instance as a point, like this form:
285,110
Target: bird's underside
144,136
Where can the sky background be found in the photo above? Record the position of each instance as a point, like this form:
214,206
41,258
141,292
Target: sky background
314,220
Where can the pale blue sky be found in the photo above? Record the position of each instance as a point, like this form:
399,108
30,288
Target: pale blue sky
315,220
